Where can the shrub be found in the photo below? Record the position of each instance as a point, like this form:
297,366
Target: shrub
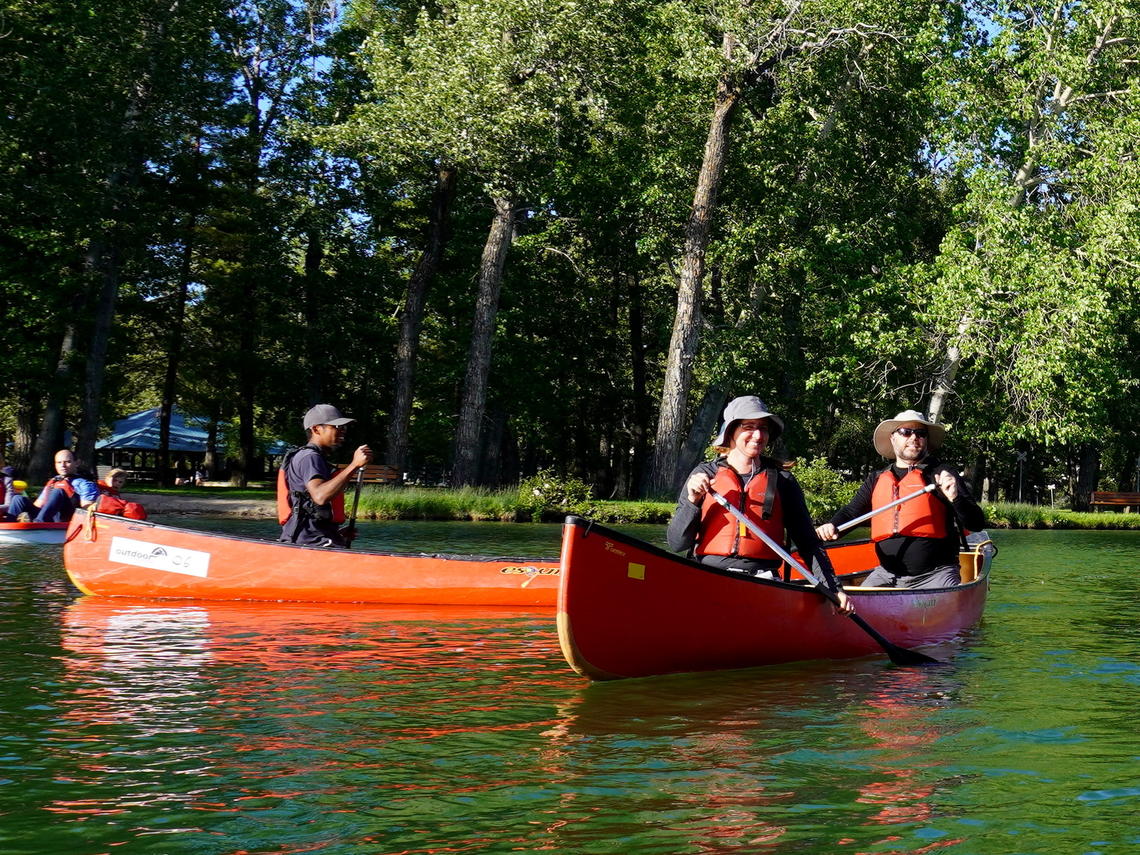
547,493
825,489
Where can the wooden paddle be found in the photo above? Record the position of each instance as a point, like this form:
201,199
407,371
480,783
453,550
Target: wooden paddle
351,527
898,655
852,523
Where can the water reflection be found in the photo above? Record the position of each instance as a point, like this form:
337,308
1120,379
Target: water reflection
751,760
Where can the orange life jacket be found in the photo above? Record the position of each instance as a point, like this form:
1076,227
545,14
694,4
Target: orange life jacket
285,499
923,516
724,534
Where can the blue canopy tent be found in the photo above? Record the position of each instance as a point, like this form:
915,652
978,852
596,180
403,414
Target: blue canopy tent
134,440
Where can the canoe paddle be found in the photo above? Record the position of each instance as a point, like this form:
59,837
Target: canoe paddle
355,502
898,655
852,523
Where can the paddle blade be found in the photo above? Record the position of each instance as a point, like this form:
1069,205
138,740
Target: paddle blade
898,655
902,656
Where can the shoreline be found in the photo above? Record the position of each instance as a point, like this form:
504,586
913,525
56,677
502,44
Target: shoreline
214,505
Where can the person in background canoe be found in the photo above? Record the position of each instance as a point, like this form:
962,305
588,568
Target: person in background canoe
7,490
759,486
310,493
61,495
916,542
111,499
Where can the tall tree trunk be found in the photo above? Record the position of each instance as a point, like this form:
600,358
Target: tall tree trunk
314,339
411,320
104,259
474,397
704,422
174,355
50,436
210,461
1088,474
639,430
247,396
683,343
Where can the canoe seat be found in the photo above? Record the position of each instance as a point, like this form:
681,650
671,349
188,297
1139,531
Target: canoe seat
971,562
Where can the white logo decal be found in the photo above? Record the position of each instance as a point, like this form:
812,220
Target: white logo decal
191,562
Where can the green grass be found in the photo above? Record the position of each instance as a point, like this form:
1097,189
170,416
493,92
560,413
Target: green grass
475,504
1016,515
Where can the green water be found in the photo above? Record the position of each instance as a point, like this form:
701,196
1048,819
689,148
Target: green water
151,727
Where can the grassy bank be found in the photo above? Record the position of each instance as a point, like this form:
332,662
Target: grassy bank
391,503
519,505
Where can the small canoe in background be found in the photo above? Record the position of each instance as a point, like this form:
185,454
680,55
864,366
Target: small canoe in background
32,532
627,608
115,556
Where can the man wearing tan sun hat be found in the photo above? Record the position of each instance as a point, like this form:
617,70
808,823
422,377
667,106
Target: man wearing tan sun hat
917,541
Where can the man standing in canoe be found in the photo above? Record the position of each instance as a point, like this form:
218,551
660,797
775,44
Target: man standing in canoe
310,493
760,487
917,541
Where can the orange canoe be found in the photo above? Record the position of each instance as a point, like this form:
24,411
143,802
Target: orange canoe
113,556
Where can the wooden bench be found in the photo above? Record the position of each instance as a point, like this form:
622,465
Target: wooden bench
1115,500
378,473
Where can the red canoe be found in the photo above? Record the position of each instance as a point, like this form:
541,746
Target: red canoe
114,556
629,609
32,532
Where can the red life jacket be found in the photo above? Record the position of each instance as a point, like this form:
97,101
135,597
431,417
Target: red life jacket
58,482
111,502
923,516
723,534
285,500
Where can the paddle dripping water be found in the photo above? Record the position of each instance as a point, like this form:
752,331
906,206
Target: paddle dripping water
197,728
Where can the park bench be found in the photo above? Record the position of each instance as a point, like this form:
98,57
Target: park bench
379,473
1115,500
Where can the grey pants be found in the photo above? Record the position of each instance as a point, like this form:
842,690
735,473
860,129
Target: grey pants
944,576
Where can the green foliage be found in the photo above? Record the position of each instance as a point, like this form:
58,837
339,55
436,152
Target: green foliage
825,489
548,492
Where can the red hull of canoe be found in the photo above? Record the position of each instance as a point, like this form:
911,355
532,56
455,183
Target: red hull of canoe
114,556
32,532
629,609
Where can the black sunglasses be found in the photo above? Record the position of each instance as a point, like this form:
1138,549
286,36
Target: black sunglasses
921,433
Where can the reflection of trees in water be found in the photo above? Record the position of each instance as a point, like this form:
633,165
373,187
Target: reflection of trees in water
255,695
755,758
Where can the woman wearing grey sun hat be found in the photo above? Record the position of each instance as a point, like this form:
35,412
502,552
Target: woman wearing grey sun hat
916,542
759,486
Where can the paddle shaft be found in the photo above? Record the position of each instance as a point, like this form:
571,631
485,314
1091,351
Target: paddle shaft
355,503
852,523
898,655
